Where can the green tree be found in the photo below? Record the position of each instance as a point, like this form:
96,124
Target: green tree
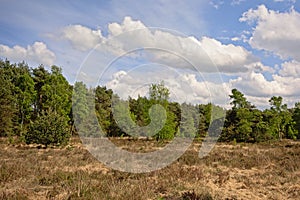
25,95
40,77
7,101
188,121
159,94
205,112
57,93
244,125
239,120
50,128
103,103
296,118
280,119
276,104
80,107
124,118
53,100
238,100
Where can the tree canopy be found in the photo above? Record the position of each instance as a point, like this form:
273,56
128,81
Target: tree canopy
36,106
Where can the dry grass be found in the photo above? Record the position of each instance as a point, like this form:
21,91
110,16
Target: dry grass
242,171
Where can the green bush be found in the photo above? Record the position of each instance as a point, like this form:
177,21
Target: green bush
50,128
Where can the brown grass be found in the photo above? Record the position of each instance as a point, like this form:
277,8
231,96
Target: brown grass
242,171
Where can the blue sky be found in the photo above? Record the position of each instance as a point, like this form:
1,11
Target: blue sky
252,43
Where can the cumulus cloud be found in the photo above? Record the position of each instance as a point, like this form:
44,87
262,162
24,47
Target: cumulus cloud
37,53
127,25
290,68
260,67
184,87
229,58
81,37
274,31
200,53
167,47
257,85
181,52
278,33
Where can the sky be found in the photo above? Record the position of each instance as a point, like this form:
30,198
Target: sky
200,49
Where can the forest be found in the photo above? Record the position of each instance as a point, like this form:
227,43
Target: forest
36,107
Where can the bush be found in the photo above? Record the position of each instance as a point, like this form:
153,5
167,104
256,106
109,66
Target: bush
49,128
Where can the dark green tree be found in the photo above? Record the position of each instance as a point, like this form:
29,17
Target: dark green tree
280,119
25,95
188,122
103,105
238,100
7,101
50,128
239,120
53,102
40,77
296,118
57,93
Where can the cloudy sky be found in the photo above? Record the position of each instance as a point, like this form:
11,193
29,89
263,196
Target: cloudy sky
200,49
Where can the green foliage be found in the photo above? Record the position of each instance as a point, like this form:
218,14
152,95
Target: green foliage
7,106
189,121
159,93
296,119
80,101
25,96
238,100
83,111
38,102
247,124
40,76
169,129
103,105
56,92
124,118
242,120
30,96
50,128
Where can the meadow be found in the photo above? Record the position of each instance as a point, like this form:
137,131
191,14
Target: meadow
231,171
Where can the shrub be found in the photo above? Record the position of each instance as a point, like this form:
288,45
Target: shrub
49,128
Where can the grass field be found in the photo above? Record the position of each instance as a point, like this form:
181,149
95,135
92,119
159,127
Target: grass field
231,171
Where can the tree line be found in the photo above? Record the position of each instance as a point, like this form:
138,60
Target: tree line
36,107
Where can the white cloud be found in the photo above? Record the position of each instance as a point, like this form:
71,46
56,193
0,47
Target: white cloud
229,58
216,3
184,87
167,47
236,2
235,39
259,67
127,25
275,31
38,53
291,69
81,37
256,85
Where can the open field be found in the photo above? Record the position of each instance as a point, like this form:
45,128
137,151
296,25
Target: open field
241,171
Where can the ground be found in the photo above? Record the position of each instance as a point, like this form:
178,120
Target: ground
230,171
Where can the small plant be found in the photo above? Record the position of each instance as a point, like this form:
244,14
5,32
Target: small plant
234,142
193,196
